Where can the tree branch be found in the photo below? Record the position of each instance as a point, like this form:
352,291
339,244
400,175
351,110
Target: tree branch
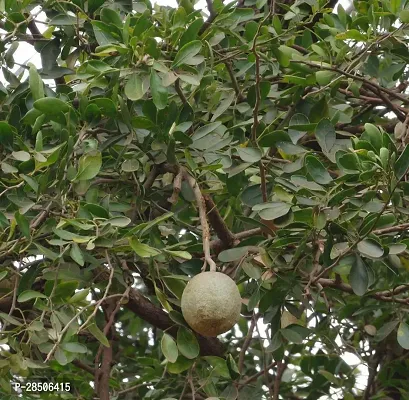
210,19
382,296
247,342
234,81
201,205
391,229
367,82
84,367
180,92
155,316
103,372
255,376
218,224
217,245
281,367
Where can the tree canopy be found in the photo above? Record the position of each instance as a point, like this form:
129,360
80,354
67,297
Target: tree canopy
266,139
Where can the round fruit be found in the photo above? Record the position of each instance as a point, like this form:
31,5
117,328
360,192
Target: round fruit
211,303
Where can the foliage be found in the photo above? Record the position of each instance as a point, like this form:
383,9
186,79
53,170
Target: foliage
281,126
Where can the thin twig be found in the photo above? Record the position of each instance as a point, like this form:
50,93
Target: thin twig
65,329
255,376
179,91
247,342
265,370
108,286
177,186
35,223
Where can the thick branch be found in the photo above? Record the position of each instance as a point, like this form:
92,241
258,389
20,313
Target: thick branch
154,315
281,367
218,245
83,366
218,224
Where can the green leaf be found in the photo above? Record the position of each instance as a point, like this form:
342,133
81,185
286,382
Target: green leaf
295,333
36,83
385,330
224,105
89,166
177,318
3,274
21,155
159,92
403,335
174,284
29,295
98,334
330,377
135,87
187,343
324,77
404,16
147,226
370,248
80,296
402,164
6,134
353,34
141,249
66,235
325,134
102,33
219,365
120,222
186,53
93,5
23,224
74,347
232,366
317,170
252,270
249,154
181,364
271,139
191,33
205,130
10,319
51,106
130,165
233,254
179,254
269,211
358,277
76,254
373,135
47,252
169,348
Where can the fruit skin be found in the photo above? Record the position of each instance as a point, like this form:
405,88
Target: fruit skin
211,303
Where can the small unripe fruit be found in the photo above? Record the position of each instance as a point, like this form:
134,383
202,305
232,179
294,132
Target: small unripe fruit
211,303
